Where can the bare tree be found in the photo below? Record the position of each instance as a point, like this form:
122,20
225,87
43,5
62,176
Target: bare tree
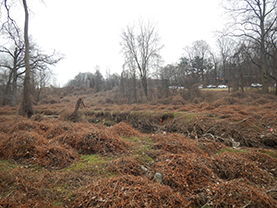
198,54
26,106
130,68
141,46
240,66
272,40
254,20
13,60
274,68
168,76
226,47
40,61
98,79
201,48
126,86
112,81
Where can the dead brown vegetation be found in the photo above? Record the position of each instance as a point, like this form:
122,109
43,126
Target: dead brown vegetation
229,166
129,191
218,150
93,141
30,147
125,130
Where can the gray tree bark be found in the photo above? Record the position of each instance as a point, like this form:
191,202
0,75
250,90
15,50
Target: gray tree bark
26,107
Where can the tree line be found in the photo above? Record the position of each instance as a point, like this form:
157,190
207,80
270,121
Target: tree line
95,81
246,52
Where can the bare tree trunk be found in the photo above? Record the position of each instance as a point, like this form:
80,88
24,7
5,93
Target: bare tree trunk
14,80
144,85
241,81
6,98
263,51
14,88
264,67
134,87
26,107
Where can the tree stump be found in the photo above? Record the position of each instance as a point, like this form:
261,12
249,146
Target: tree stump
75,116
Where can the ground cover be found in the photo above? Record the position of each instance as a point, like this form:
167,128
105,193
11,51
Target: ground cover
220,152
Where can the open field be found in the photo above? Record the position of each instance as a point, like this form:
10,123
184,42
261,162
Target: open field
216,150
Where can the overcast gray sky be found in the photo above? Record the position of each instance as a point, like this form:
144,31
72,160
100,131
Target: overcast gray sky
87,32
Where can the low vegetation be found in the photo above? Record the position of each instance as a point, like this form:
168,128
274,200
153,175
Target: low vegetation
214,153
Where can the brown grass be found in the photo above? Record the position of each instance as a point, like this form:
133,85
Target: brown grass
30,147
128,191
229,166
93,141
106,161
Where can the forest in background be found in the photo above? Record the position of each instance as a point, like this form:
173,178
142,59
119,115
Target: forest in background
245,53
